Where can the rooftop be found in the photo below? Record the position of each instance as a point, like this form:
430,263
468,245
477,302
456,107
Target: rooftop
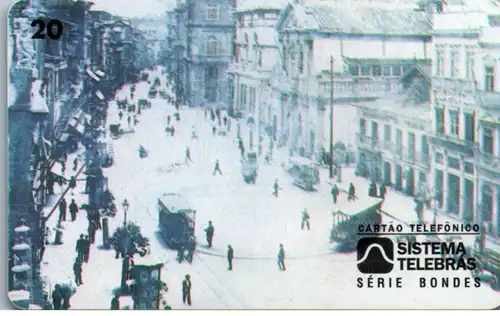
395,105
260,5
360,19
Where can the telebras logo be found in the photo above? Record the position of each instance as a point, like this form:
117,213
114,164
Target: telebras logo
375,255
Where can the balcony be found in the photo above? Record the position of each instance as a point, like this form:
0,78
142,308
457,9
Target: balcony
452,143
486,160
366,142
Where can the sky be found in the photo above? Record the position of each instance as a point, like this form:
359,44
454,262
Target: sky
134,8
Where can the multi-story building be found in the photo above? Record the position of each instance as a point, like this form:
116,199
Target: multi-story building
43,93
465,103
176,57
313,34
256,54
210,34
392,140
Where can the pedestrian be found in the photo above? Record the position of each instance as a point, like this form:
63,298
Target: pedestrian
63,167
188,155
191,247
75,164
129,119
120,115
47,305
73,210
335,193
57,297
217,167
86,248
80,247
305,220
214,130
168,119
180,253
210,233
186,290
77,270
383,191
62,210
230,256
276,188
351,196
172,131
115,303
92,230
59,233
97,219
372,189
225,120
281,258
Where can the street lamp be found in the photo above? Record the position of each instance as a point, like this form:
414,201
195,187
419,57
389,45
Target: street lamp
125,255
125,206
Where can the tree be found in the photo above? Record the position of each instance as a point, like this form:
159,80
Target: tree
129,240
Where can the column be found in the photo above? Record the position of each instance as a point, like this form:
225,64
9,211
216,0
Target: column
496,201
258,110
462,203
319,129
445,182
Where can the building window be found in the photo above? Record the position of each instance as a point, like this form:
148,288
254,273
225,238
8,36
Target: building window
439,158
488,141
453,163
470,127
211,83
439,61
454,62
243,96
301,61
354,70
250,21
386,71
468,168
366,71
396,70
242,21
259,57
376,71
362,127
489,79
212,46
439,116
469,64
247,46
251,100
454,123
213,12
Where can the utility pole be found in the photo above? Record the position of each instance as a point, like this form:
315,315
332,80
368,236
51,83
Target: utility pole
331,117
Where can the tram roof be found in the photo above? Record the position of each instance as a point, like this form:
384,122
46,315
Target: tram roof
358,206
174,202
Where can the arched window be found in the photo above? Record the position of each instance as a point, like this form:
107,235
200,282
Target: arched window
256,48
247,46
212,46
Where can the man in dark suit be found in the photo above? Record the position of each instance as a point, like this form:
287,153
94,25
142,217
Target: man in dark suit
186,290
230,256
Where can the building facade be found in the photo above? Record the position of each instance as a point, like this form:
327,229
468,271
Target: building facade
321,40
465,142
201,49
392,140
256,54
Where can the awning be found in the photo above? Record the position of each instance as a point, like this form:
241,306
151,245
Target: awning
99,95
92,75
100,73
64,137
